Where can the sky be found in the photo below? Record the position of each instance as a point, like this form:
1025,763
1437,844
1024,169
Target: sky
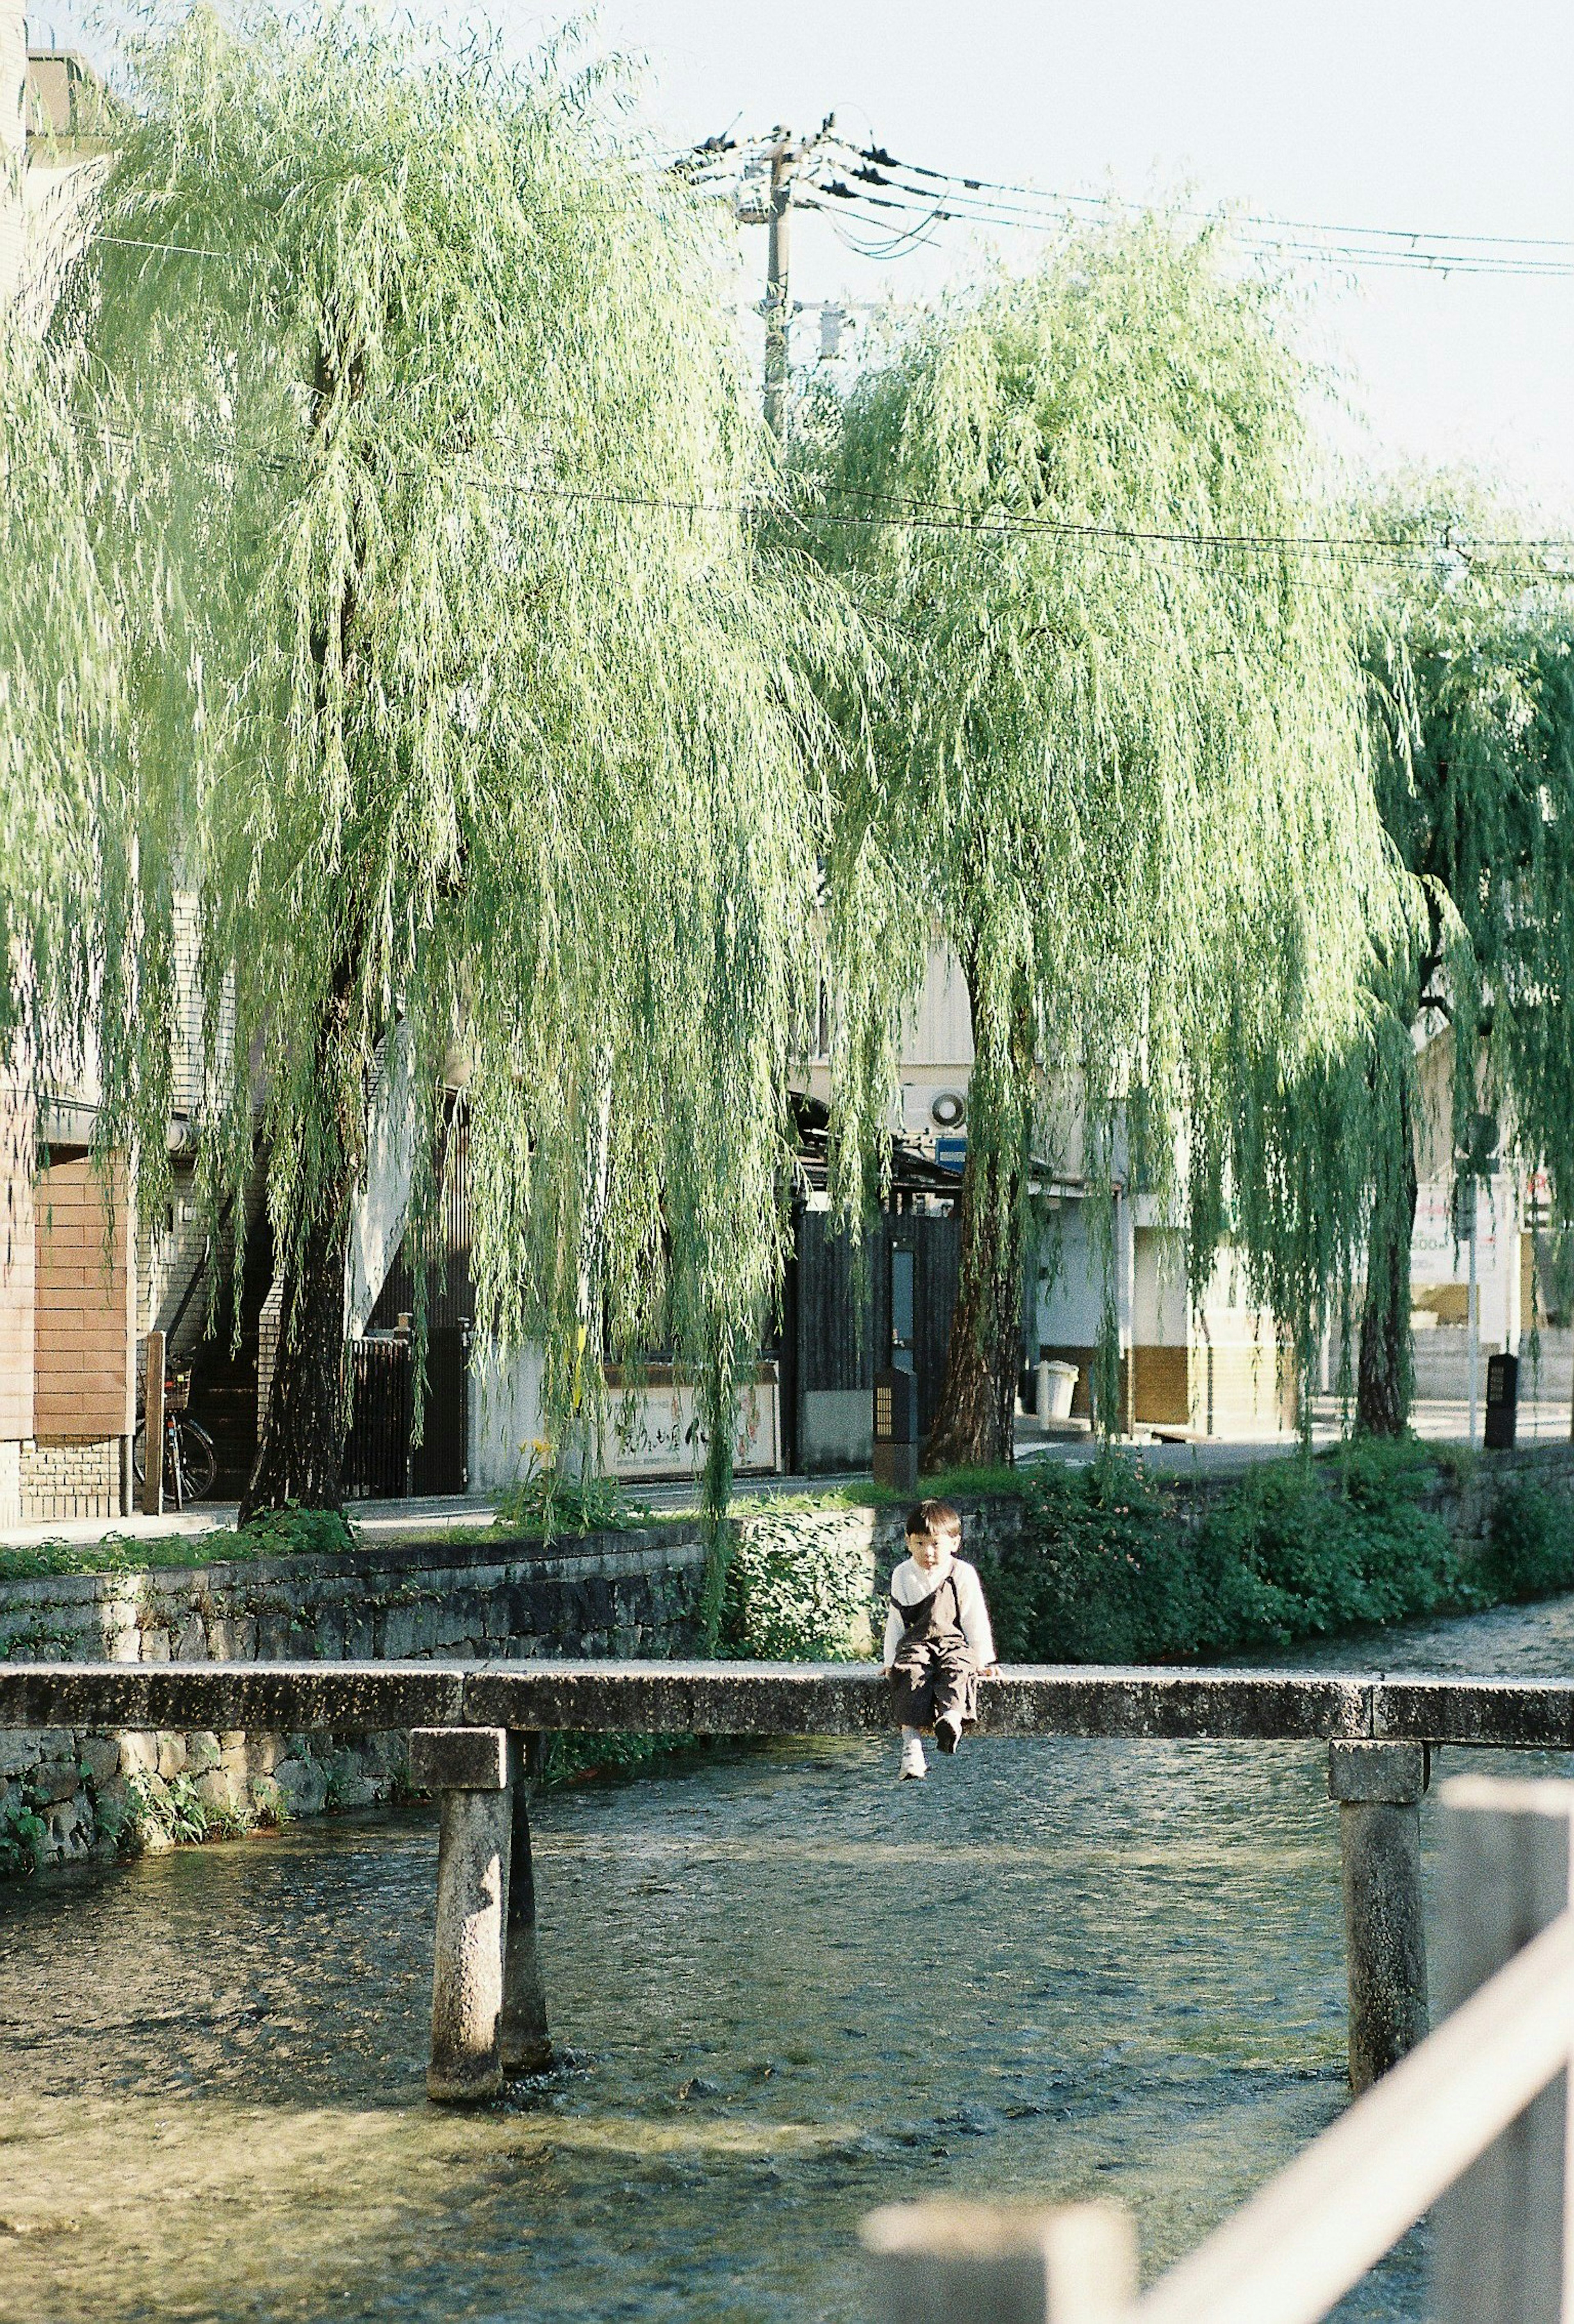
1442,118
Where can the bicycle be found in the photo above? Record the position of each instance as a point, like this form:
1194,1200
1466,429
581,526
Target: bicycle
191,1460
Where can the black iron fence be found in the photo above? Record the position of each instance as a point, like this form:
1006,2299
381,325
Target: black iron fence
381,1463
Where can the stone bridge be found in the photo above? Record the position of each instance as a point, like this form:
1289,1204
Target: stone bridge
467,1722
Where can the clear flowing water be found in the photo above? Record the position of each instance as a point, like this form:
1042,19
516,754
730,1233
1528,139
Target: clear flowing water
791,1990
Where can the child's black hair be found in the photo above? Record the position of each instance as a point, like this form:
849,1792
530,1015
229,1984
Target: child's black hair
932,1517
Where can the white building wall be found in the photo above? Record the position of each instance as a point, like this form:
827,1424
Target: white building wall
1072,1277
13,117
505,1415
1159,1313
377,1223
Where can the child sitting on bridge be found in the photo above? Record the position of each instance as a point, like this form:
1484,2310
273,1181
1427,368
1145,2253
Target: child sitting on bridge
938,1638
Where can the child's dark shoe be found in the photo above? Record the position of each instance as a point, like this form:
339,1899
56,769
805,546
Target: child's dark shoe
947,1730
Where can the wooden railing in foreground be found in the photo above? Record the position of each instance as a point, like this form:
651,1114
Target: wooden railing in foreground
1473,2127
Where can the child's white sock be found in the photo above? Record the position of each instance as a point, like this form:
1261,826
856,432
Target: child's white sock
913,1759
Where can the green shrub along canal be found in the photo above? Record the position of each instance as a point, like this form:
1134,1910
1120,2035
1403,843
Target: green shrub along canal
791,1989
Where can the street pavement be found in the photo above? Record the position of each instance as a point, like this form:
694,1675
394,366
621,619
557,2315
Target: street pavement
1541,1421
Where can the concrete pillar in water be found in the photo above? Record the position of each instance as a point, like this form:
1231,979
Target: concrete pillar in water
1378,1788
527,2046
468,1766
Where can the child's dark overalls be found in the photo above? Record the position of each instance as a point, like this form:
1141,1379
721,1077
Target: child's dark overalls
933,1670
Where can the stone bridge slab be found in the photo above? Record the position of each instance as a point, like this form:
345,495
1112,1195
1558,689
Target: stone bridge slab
853,1699
284,1698
728,1698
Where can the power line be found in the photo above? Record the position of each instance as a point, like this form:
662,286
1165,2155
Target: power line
903,200
876,180
879,158
175,249
901,513
861,202
1002,203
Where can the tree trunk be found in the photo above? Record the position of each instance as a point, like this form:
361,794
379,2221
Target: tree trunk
1384,1373
973,1425
301,1459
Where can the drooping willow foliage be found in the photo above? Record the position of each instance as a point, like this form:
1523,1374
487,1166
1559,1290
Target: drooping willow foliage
459,695
1466,648
67,907
1472,699
1124,778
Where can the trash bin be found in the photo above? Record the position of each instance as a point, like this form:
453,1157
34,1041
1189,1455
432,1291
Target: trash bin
1057,1385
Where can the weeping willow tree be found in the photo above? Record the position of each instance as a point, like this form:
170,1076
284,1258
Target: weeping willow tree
67,911
1119,766
459,694
1471,668
1466,648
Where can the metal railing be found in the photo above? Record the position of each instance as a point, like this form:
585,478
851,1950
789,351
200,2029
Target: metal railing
1472,2126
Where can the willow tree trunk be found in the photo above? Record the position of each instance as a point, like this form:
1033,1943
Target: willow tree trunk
1384,1371
301,1459
973,1425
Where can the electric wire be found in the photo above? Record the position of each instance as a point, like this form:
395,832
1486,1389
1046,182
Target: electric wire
998,203
857,204
911,514
877,157
880,181
1293,244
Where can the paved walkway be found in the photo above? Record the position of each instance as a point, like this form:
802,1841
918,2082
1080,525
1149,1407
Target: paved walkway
1541,1422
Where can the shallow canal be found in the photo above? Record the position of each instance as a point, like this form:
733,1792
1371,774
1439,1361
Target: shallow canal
791,1990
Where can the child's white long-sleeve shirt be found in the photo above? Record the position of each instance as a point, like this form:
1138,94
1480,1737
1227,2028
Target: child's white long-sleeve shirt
910,1582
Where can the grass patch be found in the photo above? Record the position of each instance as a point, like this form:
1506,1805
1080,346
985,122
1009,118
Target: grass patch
284,1532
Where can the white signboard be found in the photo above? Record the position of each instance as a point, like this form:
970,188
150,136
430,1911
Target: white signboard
657,1429
1434,1256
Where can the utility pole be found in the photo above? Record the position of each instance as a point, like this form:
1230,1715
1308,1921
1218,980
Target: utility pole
777,159
787,157
778,310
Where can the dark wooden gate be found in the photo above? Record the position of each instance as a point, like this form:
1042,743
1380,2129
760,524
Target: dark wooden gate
440,1462
846,1314
381,1463
378,1449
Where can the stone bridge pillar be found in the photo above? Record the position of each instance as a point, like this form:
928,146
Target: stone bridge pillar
526,2045
1378,1788
469,1767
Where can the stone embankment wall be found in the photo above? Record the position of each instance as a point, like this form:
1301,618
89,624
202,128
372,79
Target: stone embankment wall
66,1795
69,1795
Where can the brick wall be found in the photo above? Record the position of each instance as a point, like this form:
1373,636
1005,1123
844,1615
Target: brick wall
16,1265
268,1324
84,1337
70,1477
